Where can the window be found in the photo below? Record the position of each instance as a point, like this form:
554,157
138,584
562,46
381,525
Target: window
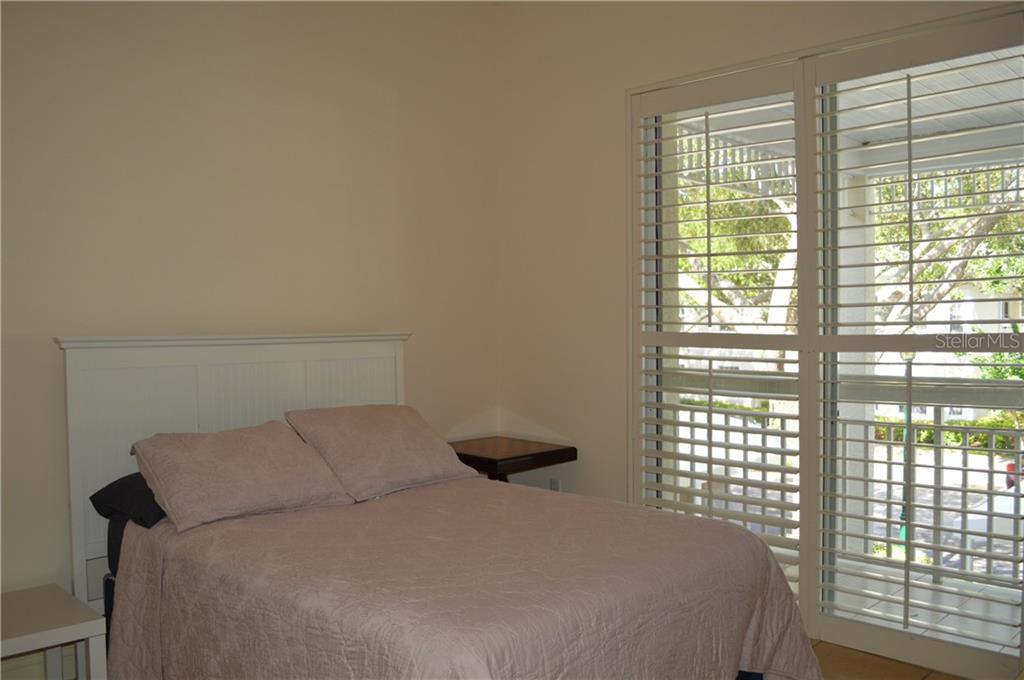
719,209
718,239
826,346
916,509
955,314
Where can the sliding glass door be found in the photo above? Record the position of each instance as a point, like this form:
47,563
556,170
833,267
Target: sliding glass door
921,222
718,256
828,285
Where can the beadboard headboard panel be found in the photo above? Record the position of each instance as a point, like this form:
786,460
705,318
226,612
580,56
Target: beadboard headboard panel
121,390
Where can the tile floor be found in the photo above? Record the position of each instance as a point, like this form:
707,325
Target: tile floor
842,663
1000,629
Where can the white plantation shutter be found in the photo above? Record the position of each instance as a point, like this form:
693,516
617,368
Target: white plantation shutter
708,179
918,172
827,301
921,214
716,236
938,494
720,438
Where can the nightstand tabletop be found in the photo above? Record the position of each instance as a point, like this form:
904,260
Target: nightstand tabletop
499,457
501,448
40,617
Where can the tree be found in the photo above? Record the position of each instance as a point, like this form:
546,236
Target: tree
965,222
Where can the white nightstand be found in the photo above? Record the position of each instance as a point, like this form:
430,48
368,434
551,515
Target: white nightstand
46,617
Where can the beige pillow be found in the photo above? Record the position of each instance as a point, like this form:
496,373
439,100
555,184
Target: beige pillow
375,450
200,478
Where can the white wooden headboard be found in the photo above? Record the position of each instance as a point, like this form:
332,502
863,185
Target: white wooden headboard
121,390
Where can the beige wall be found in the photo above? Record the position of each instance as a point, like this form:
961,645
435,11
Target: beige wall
454,171
238,168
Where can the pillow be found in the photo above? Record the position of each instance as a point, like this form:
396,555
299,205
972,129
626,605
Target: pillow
200,478
128,498
375,450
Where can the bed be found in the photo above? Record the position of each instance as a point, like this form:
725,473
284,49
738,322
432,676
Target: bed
463,578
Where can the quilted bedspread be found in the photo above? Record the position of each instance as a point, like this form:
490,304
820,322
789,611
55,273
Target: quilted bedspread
461,579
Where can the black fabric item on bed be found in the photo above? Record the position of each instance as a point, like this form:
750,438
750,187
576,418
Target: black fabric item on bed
108,602
115,532
128,498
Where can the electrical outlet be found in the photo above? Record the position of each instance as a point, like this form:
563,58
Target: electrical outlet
555,484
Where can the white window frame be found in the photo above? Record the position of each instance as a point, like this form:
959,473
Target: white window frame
802,73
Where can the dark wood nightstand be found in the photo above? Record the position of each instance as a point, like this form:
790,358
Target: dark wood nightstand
499,457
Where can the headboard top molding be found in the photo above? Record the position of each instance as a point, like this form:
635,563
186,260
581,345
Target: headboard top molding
123,389
217,340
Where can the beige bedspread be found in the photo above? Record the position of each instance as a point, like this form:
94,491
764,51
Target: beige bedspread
462,579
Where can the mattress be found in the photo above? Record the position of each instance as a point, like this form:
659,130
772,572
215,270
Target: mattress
461,579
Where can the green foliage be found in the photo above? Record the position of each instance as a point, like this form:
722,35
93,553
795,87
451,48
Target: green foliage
1003,366
899,553
995,420
963,222
888,429
762,405
748,234
1000,365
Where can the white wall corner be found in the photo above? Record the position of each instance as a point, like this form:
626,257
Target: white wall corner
481,424
499,420
516,425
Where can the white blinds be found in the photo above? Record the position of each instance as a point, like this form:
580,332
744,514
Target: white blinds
922,529
718,255
921,204
720,437
921,233
847,385
718,197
